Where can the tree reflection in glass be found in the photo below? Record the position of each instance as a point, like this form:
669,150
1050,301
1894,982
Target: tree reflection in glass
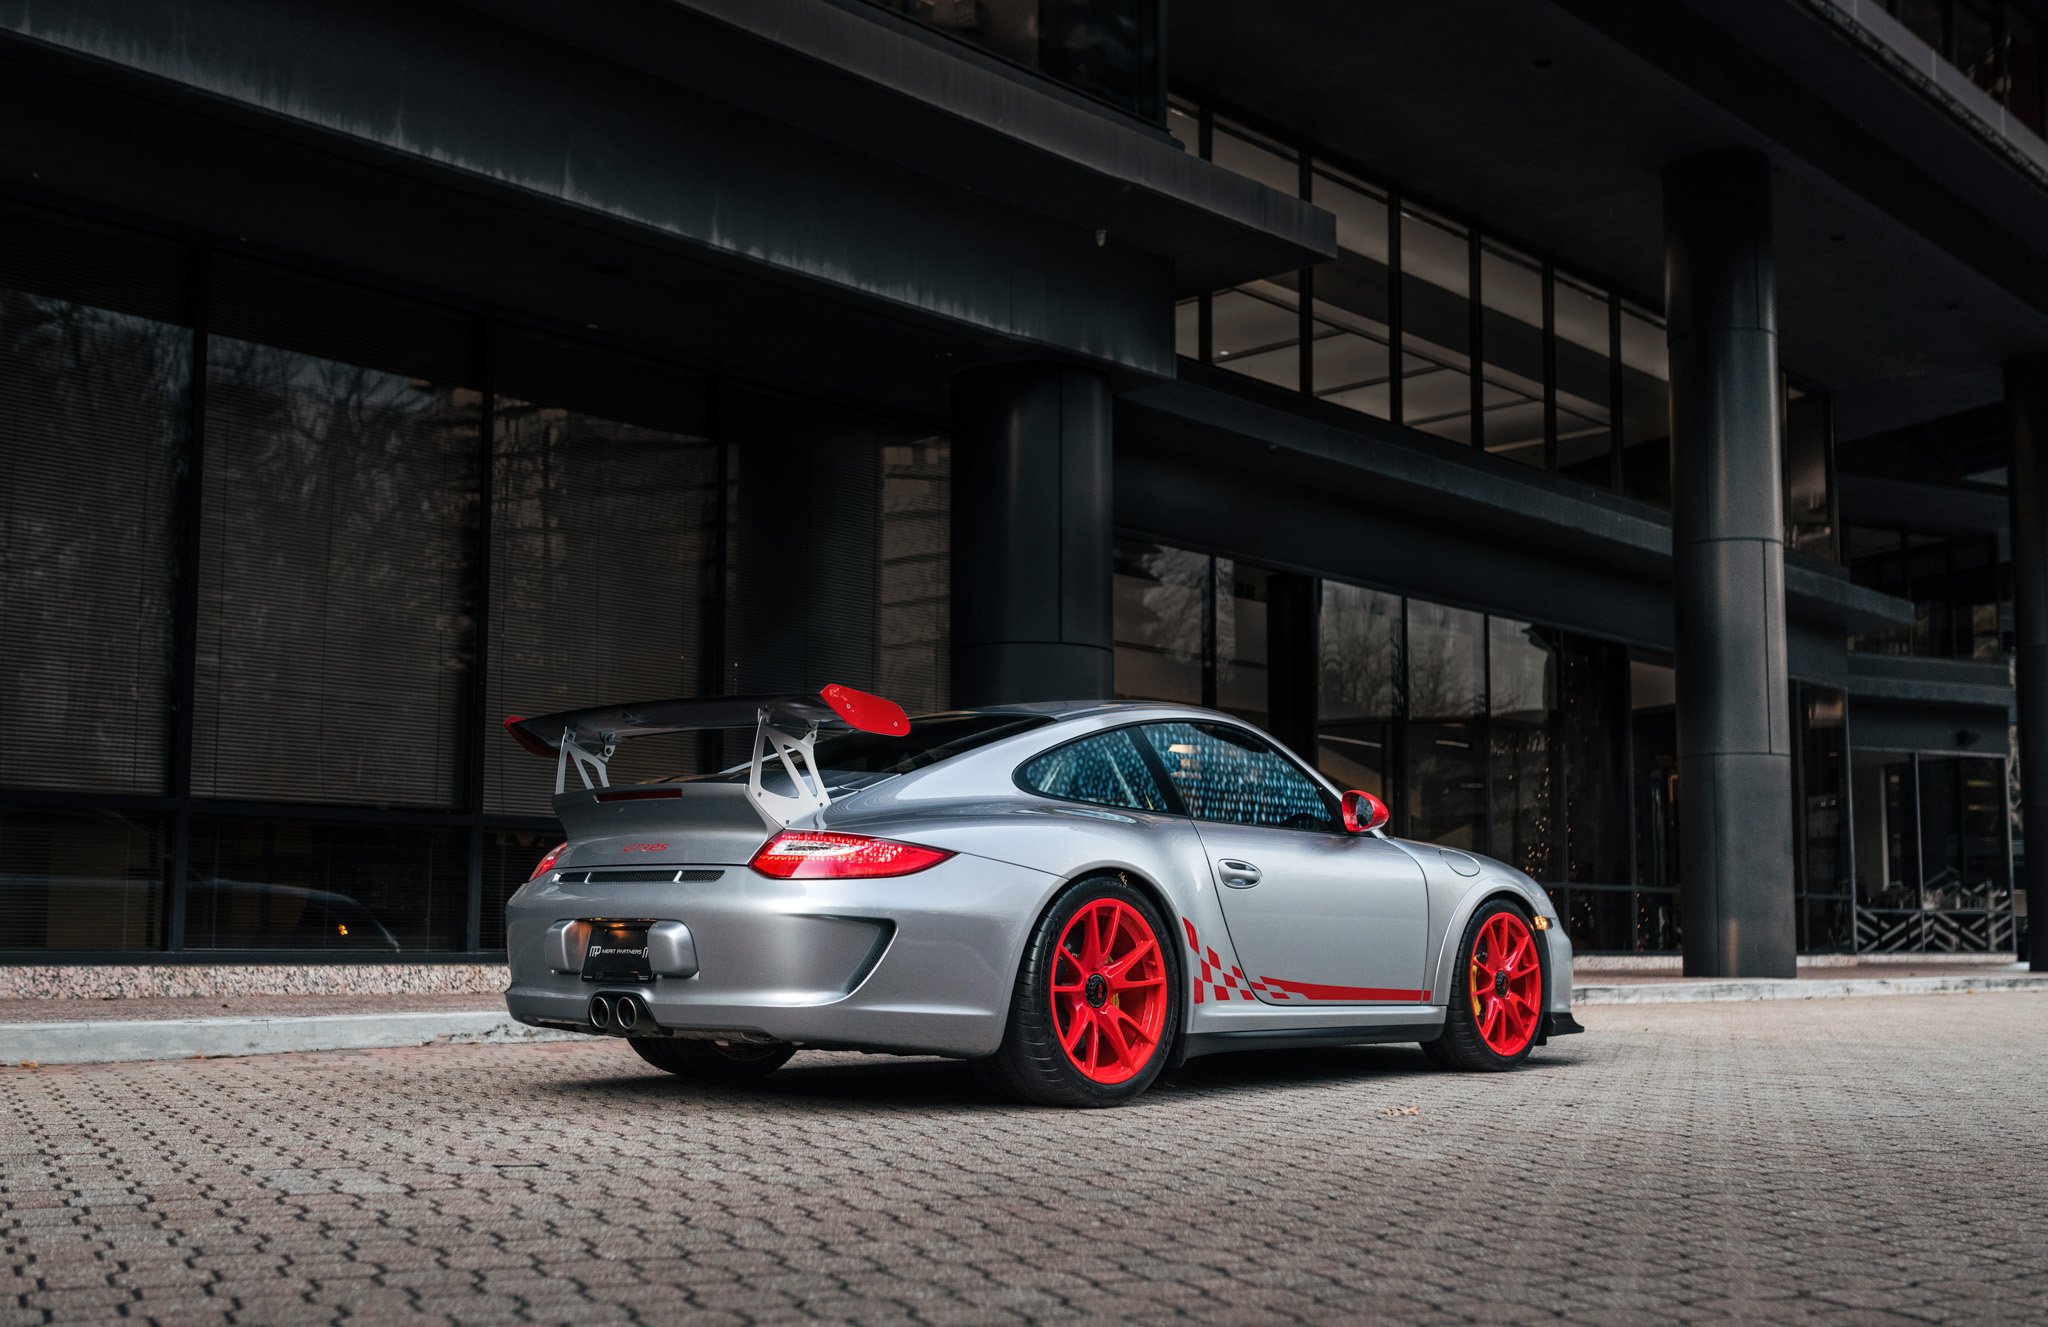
1161,598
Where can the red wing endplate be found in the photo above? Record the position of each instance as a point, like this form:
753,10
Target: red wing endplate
834,707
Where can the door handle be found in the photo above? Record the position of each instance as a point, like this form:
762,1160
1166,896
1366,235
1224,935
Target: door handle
1237,874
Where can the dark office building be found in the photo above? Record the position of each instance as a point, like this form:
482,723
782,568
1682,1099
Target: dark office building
1614,433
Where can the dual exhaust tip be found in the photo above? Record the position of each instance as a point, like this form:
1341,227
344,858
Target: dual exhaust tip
620,1015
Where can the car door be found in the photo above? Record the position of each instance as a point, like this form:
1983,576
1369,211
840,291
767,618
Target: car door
1317,915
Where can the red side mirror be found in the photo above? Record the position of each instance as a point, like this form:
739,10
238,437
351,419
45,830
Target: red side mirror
1363,813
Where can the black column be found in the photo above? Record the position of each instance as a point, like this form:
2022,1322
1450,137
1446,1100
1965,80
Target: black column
1728,570
1293,662
2026,396
1032,535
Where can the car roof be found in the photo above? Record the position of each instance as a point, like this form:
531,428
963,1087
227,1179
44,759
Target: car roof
1076,709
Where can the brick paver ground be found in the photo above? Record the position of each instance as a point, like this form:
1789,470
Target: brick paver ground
1841,1161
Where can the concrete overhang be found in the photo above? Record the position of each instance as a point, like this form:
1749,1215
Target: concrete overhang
882,85
1232,464
839,171
1903,504
1912,240
1950,683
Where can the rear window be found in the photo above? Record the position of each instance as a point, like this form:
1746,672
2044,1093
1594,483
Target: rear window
1106,769
867,756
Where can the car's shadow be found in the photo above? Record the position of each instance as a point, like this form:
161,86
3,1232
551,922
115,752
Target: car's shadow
927,1083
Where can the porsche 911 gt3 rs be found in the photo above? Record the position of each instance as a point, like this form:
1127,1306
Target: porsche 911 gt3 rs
1076,896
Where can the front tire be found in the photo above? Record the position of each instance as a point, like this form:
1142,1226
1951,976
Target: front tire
713,1061
1497,996
1096,1004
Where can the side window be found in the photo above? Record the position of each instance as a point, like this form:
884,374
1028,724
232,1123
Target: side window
1106,769
1226,773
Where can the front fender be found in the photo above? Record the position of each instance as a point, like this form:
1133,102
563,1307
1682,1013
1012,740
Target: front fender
1454,896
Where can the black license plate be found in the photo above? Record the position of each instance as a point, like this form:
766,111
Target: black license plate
617,952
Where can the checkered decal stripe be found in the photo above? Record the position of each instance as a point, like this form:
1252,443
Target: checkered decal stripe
1221,982
1217,980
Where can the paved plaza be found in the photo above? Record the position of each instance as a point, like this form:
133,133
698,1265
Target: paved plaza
1837,1160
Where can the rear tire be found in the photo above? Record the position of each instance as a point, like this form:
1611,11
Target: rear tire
714,1061
1497,993
1096,1004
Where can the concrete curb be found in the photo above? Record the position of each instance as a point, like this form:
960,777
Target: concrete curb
185,1038
131,1040
1698,992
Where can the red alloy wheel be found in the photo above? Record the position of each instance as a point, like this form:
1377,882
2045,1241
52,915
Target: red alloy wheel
1507,984
1108,991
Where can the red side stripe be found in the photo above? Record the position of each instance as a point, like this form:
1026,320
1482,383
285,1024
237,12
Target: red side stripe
1308,990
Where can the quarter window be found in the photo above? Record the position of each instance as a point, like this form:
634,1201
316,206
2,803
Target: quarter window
1107,769
1226,773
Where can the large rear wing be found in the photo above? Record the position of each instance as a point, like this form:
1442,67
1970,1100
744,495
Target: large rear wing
785,730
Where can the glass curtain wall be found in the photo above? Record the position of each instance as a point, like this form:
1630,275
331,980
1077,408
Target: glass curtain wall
252,706
1933,860
1496,349
95,394
1959,589
1826,887
1647,918
1479,732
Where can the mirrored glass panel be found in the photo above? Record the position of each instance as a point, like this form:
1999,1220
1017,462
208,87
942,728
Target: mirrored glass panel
1823,830
1447,785
367,888
337,578
1809,474
81,879
92,419
1250,153
1161,597
1436,327
1511,290
1257,332
1522,668
1585,382
1241,640
1645,409
1360,636
1446,661
1351,365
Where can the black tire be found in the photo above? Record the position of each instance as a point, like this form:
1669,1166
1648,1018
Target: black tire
714,1061
1031,1062
1461,1045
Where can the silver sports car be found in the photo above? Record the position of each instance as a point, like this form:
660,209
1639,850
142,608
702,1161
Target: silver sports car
1076,896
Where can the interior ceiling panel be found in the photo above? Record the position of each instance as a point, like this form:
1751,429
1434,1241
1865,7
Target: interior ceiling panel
1522,116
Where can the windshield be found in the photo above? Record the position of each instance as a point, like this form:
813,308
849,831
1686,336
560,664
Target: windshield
847,759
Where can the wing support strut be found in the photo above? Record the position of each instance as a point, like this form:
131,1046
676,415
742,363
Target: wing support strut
588,763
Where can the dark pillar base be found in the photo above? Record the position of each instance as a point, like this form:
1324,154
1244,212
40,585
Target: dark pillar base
1738,921
1032,535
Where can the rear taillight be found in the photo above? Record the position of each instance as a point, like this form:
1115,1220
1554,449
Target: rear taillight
815,855
547,862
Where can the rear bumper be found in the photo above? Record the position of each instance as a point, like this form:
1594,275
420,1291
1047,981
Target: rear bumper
923,963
